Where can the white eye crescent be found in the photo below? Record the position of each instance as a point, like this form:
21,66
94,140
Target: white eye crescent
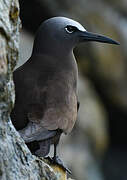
70,29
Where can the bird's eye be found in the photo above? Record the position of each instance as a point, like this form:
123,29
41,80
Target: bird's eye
70,29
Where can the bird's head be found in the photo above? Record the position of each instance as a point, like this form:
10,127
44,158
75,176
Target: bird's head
63,33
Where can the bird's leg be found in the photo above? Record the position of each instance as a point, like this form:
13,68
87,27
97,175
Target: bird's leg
55,151
57,160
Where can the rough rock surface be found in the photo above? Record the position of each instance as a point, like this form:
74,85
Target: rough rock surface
16,161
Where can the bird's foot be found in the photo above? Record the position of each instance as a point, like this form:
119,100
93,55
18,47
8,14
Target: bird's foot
56,160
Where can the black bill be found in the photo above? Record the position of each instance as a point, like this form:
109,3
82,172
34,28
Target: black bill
88,36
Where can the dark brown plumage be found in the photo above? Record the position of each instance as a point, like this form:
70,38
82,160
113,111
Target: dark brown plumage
46,100
46,85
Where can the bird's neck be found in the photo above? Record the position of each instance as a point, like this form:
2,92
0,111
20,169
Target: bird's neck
56,54
54,49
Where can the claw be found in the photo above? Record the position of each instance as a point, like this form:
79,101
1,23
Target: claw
58,161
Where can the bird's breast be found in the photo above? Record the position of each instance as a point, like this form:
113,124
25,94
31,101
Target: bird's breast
61,102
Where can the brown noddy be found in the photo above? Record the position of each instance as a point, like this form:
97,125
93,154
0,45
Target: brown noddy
46,85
